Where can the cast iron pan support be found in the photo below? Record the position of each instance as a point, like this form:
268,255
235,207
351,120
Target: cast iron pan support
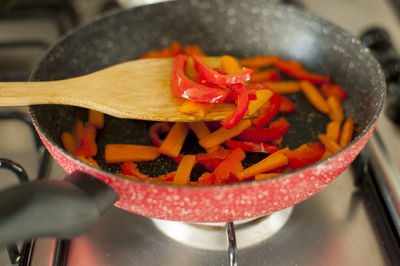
57,208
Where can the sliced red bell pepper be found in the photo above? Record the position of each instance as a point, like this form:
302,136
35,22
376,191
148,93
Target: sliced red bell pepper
218,78
212,159
206,179
184,87
333,90
87,146
286,106
305,155
275,130
251,146
268,111
231,166
242,102
156,130
296,70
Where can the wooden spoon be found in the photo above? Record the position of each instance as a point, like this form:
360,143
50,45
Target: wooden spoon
138,89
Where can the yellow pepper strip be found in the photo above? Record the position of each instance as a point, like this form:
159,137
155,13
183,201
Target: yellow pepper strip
222,134
262,97
182,176
314,96
173,143
195,108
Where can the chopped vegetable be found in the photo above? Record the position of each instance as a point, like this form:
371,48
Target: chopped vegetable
296,70
275,130
259,61
183,87
268,111
305,155
333,130
215,77
265,176
118,153
314,96
69,142
182,176
265,76
251,146
173,143
211,160
96,119
242,99
231,166
347,132
222,134
229,64
286,106
87,146
283,87
270,163
333,90
262,96
156,130
336,110
199,109
329,143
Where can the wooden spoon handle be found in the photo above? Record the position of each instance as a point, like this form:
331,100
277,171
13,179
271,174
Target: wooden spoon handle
28,93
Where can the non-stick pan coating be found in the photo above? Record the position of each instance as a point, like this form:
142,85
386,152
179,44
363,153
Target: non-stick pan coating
238,28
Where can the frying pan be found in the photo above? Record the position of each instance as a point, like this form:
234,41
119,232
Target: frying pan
242,29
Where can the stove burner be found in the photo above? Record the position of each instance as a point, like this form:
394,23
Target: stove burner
213,237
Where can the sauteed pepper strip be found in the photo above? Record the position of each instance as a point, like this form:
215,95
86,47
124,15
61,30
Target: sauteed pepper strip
218,78
183,87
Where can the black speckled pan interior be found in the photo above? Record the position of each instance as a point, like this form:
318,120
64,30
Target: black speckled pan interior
240,28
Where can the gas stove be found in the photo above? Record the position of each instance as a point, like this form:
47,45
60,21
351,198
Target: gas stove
354,221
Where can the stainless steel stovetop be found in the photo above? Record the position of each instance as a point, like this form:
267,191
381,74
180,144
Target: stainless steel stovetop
348,223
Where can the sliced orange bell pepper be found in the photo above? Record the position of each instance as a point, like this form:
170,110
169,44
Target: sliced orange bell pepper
173,143
130,168
265,76
258,61
96,119
283,87
88,160
333,130
206,179
194,108
336,110
77,131
314,96
118,153
194,49
265,176
229,64
69,142
270,163
347,132
182,176
329,143
222,134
